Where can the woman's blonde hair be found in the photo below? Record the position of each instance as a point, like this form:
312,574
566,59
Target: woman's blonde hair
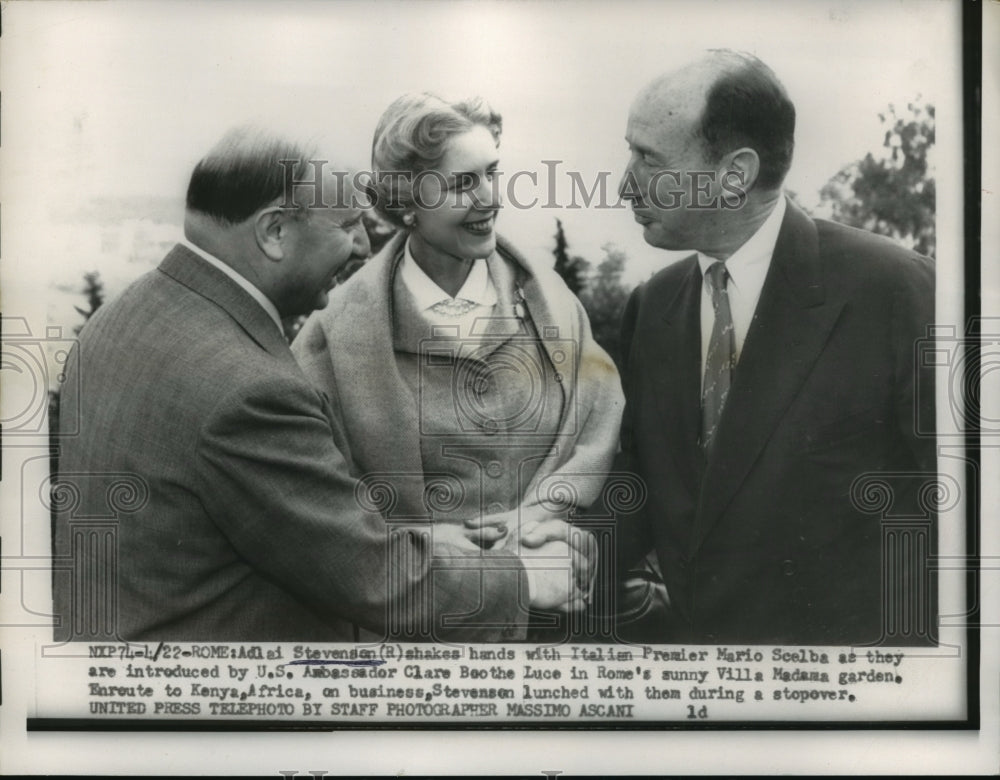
412,136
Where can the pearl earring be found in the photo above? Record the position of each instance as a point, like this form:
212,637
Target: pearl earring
409,220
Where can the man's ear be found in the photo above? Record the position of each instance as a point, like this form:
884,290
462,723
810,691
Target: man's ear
743,165
270,226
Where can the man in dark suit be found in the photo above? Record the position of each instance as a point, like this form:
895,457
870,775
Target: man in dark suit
766,375
204,496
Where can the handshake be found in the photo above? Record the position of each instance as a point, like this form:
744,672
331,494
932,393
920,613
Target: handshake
560,559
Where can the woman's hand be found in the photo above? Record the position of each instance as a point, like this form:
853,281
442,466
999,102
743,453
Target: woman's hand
531,526
485,530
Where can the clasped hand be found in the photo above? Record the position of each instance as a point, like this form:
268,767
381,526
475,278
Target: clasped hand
559,558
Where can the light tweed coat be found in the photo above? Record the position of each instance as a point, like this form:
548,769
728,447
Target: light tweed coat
347,351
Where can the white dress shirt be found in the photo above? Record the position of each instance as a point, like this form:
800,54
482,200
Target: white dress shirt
478,288
747,268
242,281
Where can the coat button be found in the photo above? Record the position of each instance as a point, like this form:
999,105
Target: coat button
494,469
788,568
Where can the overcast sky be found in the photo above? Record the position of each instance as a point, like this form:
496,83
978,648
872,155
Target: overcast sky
118,99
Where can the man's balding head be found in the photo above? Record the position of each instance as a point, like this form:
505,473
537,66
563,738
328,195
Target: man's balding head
724,117
281,215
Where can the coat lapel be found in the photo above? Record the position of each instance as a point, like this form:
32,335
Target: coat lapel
675,358
184,266
789,331
555,327
384,417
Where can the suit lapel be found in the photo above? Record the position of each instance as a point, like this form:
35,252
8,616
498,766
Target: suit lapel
789,331
184,266
676,371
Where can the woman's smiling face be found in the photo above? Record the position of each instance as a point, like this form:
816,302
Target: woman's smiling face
457,201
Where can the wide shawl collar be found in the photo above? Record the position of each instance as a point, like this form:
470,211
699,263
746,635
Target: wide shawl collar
346,350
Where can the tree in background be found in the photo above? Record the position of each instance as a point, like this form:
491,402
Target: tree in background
604,299
93,289
573,270
602,293
893,192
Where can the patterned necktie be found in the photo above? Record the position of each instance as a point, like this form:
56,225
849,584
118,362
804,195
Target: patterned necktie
721,356
455,307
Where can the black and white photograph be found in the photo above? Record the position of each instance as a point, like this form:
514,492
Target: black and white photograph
601,388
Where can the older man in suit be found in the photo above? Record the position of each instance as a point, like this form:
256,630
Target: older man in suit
765,375
242,521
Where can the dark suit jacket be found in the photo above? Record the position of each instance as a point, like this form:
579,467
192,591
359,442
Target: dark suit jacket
763,543
242,522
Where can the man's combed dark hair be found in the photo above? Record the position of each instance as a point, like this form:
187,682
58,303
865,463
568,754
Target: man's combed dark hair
748,106
247,170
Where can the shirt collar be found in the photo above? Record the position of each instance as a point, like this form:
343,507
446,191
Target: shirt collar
755,254
241,280
478,286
